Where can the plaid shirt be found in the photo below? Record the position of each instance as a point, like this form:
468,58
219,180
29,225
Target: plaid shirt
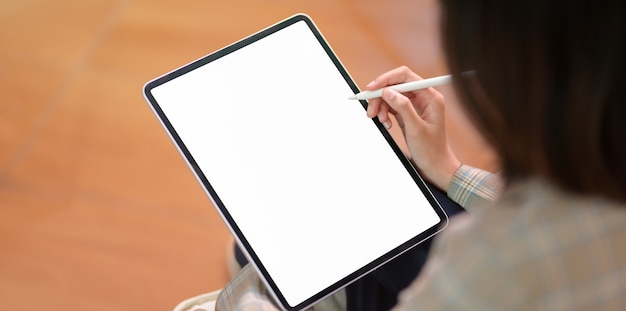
538,249
474,189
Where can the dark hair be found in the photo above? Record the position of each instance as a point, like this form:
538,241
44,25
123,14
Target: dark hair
549,86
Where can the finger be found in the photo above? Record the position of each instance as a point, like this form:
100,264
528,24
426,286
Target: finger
373,107
402,106
398,75
378,108
383,116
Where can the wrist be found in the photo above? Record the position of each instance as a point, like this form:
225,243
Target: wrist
446,171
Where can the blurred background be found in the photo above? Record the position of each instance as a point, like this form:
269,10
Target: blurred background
98,211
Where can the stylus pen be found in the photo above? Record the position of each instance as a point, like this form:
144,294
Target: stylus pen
405,87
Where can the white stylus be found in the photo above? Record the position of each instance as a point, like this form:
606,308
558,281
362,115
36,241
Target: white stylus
405,87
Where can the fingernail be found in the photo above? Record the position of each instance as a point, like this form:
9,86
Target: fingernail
387,124
370,84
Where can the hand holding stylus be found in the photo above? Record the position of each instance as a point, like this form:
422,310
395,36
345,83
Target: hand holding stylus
421,115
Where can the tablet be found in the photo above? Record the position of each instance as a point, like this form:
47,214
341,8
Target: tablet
315,193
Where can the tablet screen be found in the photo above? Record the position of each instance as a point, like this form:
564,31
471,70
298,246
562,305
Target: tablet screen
315,192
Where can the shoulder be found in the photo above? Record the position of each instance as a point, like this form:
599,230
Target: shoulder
533,246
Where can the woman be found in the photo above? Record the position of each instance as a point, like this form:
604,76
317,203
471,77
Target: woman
548,94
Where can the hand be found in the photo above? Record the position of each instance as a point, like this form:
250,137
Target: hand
421,115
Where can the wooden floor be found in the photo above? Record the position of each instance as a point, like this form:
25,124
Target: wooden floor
97,209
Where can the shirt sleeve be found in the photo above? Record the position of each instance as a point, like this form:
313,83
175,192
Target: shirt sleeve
473,188
246,292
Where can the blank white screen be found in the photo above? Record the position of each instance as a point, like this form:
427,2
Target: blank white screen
313,185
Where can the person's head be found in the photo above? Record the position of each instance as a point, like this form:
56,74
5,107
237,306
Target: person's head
549,86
